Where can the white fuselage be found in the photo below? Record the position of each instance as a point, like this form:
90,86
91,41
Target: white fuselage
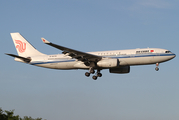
125,57
117,61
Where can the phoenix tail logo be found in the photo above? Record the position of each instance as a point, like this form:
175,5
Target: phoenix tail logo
20,46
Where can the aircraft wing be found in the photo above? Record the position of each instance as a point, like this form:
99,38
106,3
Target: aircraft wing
81,56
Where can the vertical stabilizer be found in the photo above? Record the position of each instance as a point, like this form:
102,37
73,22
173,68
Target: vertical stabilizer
23,47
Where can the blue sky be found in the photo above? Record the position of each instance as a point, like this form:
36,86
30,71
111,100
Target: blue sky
90,25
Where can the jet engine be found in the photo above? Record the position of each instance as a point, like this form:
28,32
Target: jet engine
120,70
108,63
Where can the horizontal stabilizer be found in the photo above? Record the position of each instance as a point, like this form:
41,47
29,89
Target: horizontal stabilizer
27,60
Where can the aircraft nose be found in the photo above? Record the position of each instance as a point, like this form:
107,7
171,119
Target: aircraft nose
174,55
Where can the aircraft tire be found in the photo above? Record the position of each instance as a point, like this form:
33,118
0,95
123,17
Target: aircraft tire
94,77
157,69
99,75
87,74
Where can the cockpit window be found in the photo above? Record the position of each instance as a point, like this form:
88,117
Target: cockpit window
167,51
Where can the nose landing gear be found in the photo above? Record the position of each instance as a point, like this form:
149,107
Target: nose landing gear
157,69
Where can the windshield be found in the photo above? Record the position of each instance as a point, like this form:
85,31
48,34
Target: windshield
168,52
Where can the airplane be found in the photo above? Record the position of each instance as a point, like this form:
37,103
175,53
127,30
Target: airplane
117,61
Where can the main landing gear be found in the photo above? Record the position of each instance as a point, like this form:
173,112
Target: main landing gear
92,71
157,69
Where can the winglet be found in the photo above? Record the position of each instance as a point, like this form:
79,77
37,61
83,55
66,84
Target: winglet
44,40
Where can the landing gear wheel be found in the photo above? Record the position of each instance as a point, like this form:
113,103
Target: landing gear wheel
87,74
95,77
92,71
157,69
99,74
157,64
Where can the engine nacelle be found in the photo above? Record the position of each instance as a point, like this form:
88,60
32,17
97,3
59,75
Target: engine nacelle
108,63
120,70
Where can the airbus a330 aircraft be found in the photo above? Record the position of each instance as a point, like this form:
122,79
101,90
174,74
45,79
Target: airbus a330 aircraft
118,61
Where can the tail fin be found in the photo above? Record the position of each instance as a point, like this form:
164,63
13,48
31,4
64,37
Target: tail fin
23,47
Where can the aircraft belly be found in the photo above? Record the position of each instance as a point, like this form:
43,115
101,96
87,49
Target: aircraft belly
143,60
61,65
140,61
80,65
65,65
